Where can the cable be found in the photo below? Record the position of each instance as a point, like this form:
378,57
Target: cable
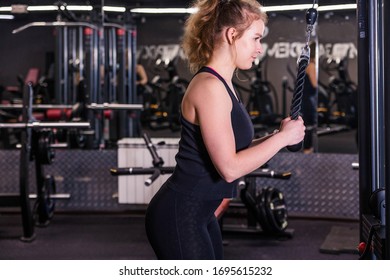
303,61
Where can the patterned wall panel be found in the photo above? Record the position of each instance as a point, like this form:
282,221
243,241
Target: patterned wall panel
321,185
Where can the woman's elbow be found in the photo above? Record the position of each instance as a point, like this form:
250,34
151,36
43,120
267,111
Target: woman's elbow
229,175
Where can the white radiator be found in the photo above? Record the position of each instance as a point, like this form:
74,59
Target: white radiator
132,152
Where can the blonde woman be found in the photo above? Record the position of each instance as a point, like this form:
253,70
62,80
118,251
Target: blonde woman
216,146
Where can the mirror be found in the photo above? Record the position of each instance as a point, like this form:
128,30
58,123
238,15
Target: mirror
266,89
285,45
337,80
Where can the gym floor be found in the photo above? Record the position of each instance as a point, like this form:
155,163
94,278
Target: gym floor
121,235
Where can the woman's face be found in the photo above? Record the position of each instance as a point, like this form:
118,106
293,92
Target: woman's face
248,47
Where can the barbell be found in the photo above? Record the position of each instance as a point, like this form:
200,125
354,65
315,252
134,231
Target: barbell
42,125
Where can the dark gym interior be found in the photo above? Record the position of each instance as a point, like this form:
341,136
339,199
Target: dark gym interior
72,117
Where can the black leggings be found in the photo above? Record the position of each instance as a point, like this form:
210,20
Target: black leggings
183,227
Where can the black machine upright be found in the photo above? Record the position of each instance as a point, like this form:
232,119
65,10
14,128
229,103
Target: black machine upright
374,127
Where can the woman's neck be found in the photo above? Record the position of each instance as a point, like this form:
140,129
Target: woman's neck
223,70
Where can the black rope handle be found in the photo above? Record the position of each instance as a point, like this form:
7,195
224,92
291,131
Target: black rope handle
296,102
303,61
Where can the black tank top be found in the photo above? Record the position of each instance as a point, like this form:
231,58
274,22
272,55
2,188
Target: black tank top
195,173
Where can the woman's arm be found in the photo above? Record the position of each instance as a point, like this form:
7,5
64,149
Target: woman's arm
142,73
262,139
312,74
208,104
222,208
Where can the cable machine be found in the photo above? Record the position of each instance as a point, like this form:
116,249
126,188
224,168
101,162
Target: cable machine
374,128
95,63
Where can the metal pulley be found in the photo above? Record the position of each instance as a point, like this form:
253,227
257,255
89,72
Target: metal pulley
311,16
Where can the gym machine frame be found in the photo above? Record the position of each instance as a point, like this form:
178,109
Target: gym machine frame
69,35
35,144
374,128
120,53
82,46
75,135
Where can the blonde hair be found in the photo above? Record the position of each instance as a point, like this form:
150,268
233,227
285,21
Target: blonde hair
203,28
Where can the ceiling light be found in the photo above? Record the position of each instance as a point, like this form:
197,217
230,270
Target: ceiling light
42,8
288,8
7,17
79,8
338,7
265,9
114,9
164,10
6,9
181,10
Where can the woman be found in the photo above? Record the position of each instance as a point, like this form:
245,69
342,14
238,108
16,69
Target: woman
216,146
142,77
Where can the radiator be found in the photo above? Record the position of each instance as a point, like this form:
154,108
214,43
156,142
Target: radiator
132,152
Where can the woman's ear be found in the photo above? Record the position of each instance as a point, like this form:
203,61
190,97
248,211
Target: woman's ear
230,35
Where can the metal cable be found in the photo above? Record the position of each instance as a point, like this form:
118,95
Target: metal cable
303,61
